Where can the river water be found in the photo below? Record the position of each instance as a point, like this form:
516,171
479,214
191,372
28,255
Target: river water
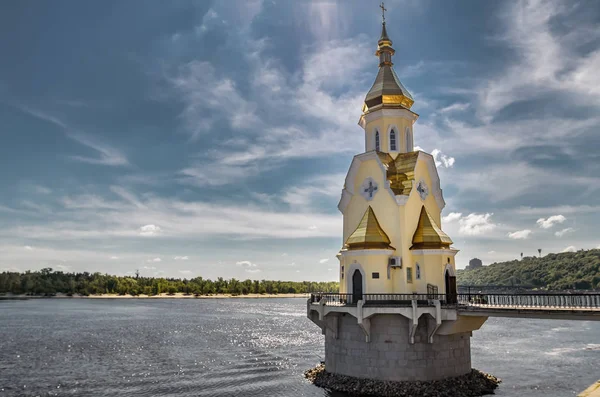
242,347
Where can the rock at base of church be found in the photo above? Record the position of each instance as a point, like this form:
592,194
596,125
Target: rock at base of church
389,355
473,384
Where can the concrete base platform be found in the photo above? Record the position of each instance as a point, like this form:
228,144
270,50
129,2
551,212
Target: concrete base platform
389,355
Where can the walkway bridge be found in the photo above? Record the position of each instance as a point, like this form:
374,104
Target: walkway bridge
567,306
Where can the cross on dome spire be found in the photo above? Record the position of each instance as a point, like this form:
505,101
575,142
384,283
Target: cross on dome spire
387,91
383,10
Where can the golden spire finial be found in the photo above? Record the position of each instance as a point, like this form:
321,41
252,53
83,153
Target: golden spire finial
383,10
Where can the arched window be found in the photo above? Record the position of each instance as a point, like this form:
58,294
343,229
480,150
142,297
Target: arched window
393,140
377,141
409,140
418,271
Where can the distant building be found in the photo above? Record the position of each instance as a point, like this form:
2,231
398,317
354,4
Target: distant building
474,264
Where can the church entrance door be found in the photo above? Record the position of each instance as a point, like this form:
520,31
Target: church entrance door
450,288
357,286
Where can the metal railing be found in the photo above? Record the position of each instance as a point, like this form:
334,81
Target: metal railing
540,301
335,299
504,301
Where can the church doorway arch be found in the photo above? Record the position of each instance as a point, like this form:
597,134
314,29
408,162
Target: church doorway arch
450,287
357,286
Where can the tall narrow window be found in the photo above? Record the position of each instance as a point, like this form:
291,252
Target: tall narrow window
418,271
393,140
409,274
409,140
377,141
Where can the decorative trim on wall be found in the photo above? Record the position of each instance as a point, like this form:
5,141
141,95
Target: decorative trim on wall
449,252
367,252
369,188
376,115
350,272
448,268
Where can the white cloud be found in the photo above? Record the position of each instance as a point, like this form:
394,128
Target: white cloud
114,258
204,92
246,264
108,154
442,160
42,189
185,271
93,217
455,107
324,260
149,268
291,264
548,54
520,234
154,260
303,196
551,221
28,247
561,233
570,248
181,258
491,252
149,230
476,224
451,217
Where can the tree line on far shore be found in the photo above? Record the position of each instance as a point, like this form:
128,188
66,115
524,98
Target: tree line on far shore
563,271
49,282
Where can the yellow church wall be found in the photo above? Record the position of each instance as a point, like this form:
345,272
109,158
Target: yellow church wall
383,204
369,264
399,223
412,209
383,125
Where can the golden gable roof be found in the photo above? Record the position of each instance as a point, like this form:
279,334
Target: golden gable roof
428,234
368,234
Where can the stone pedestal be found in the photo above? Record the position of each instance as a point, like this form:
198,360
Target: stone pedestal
389,355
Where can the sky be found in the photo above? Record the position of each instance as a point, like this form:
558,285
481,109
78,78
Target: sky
212,138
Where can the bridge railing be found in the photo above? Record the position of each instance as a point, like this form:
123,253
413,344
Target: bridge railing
336,299
554,300
563,301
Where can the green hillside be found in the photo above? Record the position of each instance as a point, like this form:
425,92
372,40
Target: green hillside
569,270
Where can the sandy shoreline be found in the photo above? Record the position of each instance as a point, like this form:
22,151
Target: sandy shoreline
178,295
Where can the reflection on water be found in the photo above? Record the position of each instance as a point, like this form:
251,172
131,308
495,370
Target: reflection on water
242,347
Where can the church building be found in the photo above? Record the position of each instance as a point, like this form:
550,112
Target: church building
392,200
394,317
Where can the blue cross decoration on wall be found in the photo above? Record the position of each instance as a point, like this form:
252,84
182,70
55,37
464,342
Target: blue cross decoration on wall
371,189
